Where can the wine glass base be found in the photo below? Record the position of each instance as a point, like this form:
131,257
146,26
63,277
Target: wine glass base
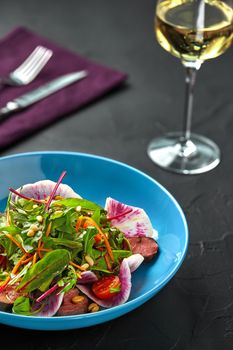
195,156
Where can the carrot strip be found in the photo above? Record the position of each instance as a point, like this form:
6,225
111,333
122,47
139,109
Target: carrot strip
34,258
19,263
5,283
48,230
79,222
108,247
15,269
8,235
106,258
76,265
39,249
44,249
27,260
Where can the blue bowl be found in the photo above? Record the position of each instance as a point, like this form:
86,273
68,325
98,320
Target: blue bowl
96,178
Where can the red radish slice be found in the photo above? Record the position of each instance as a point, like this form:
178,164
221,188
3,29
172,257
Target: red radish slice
132,221
42,189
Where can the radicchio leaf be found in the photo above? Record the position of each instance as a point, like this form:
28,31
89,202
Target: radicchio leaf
132,221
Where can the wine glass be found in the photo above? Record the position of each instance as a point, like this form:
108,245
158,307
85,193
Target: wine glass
194,31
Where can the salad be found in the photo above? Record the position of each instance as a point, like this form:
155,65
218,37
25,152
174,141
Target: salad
63,255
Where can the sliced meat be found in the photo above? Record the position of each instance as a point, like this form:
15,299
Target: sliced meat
73,303
146,246
9,294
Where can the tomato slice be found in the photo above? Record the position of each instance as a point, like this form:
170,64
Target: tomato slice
107,287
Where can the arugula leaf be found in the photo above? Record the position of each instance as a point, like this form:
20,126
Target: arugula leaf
121,254
101,266
89,241
69,280
50,266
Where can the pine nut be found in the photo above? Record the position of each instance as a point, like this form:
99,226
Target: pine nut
93,307
35,206
78,208
84,267
77,299
89,260
39,218
31,233
34,227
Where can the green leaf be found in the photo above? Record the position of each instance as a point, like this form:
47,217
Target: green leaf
11,229
88,241
22,306
96,216
50,266
69,280
8,245
75,202
121,254
54,242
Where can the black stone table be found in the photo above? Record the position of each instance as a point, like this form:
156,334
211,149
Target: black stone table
195,310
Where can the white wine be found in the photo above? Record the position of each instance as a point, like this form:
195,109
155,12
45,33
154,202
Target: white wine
191,33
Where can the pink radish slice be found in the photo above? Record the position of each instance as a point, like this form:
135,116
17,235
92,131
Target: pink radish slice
50,305
42,189
132,221
87,277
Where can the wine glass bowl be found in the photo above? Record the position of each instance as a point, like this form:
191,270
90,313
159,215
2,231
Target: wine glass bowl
194,31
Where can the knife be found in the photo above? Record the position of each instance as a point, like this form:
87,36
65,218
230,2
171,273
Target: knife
38,94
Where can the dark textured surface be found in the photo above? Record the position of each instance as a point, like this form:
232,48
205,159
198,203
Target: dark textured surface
195,310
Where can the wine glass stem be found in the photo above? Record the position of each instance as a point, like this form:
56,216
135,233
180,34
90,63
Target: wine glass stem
190,77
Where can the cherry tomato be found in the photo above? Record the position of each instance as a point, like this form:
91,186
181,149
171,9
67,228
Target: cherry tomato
106,287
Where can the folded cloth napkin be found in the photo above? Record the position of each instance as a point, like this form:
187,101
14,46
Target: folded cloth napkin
14,48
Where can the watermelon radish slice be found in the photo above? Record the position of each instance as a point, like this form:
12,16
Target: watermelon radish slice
50,305
132,221
42,189
87,277
125,279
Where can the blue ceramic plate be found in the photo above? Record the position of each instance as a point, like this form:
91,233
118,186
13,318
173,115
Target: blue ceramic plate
96,178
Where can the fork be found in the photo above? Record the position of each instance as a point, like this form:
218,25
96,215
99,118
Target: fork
29,69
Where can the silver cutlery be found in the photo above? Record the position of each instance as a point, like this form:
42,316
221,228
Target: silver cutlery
29,69
43,91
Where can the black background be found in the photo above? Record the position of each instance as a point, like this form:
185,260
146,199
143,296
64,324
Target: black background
195,310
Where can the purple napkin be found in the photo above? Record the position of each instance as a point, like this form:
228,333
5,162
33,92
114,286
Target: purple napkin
14,48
